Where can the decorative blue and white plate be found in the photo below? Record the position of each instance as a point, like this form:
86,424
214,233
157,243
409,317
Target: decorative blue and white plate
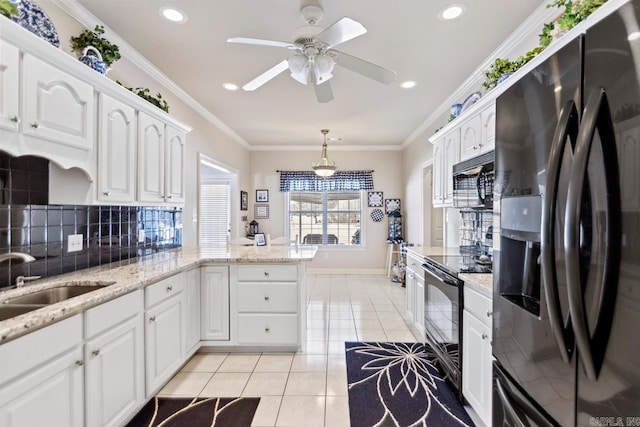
35,20
469,101
377,215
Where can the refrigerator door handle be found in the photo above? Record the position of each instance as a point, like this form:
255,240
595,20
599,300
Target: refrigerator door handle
509,412
592,347
567,128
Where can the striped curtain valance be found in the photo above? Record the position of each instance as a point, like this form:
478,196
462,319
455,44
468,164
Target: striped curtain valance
340,181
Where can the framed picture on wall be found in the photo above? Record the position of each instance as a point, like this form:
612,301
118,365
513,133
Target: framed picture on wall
374,199
244,201
261,211
262,196
391,205
260,240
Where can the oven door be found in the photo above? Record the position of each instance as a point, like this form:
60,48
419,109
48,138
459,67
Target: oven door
442,320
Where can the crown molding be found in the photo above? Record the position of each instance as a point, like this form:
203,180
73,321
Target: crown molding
86,18
316,147
529,26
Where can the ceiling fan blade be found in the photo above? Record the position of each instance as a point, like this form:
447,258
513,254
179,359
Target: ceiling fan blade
365,68
341,31
323,91
261,42
266,76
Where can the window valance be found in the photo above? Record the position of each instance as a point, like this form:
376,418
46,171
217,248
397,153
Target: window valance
340,181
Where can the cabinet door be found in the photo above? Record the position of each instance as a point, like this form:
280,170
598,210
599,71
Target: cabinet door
410,289
50,395
488,140
215,303
438,173
117,151
418,315
164,342
174,179
115,373
451,157
56,106
192,297
470,138
9,78
476,365
151,151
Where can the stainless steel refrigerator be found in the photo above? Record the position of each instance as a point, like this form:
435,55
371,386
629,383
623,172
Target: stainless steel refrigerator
566,317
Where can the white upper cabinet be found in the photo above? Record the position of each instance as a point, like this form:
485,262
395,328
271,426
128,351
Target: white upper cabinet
116,151
488,116
174,172
9,78
151,166
471,137
451,157
438,173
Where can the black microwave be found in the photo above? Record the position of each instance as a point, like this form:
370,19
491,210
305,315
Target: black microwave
473,182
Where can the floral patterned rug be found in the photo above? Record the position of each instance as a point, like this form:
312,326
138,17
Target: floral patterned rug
196,412
397,384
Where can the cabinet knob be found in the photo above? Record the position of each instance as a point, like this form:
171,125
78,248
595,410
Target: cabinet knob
35,125
266,274
152,318
79,362
169,288
266,298
475,148
169,196
480,145
489,313
266,329
14,119
95,352
107,193
485,336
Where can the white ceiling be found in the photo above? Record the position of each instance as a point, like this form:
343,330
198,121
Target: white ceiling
405,36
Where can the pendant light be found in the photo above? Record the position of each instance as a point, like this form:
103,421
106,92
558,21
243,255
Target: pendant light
323,168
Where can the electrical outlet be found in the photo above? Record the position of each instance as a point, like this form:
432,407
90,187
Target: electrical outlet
74,242
140,236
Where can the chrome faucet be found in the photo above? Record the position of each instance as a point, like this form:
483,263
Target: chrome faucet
16,255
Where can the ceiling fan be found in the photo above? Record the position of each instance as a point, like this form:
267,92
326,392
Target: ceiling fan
314,56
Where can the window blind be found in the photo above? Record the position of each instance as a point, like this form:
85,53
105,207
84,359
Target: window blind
215,205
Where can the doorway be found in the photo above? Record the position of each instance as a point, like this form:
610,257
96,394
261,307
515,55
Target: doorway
217,184
433,219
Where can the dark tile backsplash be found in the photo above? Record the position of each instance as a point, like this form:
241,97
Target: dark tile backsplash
110,233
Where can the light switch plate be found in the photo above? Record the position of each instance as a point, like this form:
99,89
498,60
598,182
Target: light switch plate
74,242
140,236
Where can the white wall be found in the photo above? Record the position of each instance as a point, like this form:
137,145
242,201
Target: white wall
387,177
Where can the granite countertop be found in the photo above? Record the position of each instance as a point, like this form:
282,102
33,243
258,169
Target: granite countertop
136,273
481,282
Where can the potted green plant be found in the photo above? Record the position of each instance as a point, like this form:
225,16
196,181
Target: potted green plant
501,67
8,9
95,50
575,11
145,94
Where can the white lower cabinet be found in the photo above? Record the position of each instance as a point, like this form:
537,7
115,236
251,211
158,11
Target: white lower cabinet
414,289
114,355
164,331
41,377
476,353
214,291
192,309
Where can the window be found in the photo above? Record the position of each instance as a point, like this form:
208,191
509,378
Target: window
326,218
214,212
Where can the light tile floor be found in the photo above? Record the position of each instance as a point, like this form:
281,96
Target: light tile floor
308,388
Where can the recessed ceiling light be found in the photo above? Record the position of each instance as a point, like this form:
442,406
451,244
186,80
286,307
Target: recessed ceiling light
452,12
173,14
408,84
230,86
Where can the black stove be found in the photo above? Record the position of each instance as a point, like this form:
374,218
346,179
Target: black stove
463,263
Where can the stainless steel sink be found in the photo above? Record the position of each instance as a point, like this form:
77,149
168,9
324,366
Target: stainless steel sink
13,310
57,294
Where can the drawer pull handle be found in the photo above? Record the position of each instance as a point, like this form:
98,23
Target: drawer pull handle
15,119
266,298
96,352
485,336
79,362
35,125
107,193
266,274
266,329
489,313
152,318
169,288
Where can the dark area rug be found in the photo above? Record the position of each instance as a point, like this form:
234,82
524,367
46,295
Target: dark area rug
197,412
397,384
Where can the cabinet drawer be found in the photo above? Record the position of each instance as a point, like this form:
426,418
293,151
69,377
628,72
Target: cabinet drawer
109,314
163,289
477,304
268,328
268,297
271,273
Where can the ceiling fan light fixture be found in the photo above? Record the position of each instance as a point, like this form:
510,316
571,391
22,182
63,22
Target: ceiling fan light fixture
324,168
